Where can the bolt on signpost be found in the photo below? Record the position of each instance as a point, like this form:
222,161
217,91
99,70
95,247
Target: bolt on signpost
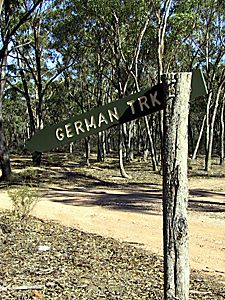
173,96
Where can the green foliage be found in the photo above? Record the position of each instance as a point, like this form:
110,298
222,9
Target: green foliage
23,198
74,55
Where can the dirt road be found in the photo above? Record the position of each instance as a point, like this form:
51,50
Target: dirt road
135,216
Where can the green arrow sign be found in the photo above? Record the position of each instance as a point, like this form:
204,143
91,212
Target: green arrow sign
198,84
98,119
114,113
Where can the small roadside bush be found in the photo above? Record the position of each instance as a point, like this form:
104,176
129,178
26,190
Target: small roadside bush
24,198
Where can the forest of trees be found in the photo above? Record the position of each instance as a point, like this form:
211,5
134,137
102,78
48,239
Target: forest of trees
60,58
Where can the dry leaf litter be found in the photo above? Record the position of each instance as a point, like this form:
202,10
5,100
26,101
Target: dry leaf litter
44,260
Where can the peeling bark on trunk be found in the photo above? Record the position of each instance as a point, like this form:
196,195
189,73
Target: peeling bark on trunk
175,188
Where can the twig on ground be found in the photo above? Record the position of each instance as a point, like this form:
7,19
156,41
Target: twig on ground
22,287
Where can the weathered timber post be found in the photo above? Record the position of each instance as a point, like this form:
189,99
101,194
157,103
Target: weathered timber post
175,186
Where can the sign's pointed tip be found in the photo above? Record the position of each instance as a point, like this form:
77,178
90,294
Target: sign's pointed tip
198,84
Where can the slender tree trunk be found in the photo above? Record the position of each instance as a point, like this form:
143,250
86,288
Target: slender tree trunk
162,15
36,158
208,107
4,154
121,165
175,190
1,4
139,136
208,162
101,152
71,147
108,141
26,95
125,138
128,136
104,144
222,133
131,140
190,136
152,149
87,150
199,139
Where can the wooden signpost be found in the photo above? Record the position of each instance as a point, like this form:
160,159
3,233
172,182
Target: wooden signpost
173,96
175,186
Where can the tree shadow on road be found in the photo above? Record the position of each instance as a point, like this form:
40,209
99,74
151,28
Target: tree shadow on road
139,200
69,182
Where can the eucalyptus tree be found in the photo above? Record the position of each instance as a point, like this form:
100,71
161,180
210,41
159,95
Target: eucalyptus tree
13,14
174,21
208,41
106,37
70,35
15,121
127,25
195,38
180,53
209,48
38,65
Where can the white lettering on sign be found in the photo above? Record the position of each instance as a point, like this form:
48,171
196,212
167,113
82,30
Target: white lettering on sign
101,119
131,104
59,134
87,124
91,124
69,130
143,102
112,114
79,127
154,99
